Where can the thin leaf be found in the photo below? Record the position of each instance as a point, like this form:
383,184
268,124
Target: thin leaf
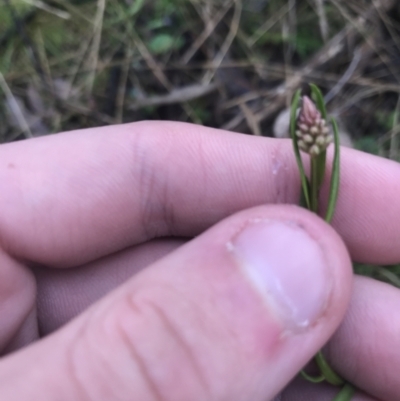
320,103
330,375
312,379
334,190
303,202
390,276
346,393
319,100
303,177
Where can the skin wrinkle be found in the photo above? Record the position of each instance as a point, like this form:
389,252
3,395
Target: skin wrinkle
170,326
204,165
158,207
155,208
167,212
179,191
171,329
202,324
131,347
137,359
86,342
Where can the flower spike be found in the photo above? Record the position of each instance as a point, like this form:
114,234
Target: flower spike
312,131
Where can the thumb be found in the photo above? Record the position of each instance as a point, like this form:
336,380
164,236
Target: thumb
232,315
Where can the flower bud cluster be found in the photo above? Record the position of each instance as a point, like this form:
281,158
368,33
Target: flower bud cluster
312,131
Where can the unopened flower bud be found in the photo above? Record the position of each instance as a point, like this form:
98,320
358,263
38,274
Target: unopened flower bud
313,134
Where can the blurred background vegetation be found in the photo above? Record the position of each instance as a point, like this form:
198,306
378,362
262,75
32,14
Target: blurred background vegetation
231,64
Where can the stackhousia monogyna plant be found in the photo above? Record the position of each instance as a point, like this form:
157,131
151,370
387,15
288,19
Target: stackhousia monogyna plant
312,132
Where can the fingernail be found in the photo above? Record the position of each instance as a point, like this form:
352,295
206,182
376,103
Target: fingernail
287,267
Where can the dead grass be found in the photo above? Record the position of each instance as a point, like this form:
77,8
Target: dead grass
227,63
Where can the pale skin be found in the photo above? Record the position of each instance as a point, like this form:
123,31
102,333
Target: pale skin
116,208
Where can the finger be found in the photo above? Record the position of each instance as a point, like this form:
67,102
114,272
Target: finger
71,198
365,350
23,333
231,315
63,294
17,302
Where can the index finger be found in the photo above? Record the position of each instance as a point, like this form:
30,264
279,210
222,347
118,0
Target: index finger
74,197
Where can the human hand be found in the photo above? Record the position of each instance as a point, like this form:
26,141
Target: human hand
201,319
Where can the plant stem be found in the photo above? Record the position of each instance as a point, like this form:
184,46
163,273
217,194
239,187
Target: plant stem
312,379
334,190
346,393
330,375
314,184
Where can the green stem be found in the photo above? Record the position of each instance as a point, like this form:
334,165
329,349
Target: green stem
314,184
312,379
346,393
335,175
330,375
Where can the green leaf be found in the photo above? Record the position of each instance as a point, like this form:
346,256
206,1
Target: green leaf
135,7
293,117
161,43
330,375
346,393
334,190
156,23
164,43
319,100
